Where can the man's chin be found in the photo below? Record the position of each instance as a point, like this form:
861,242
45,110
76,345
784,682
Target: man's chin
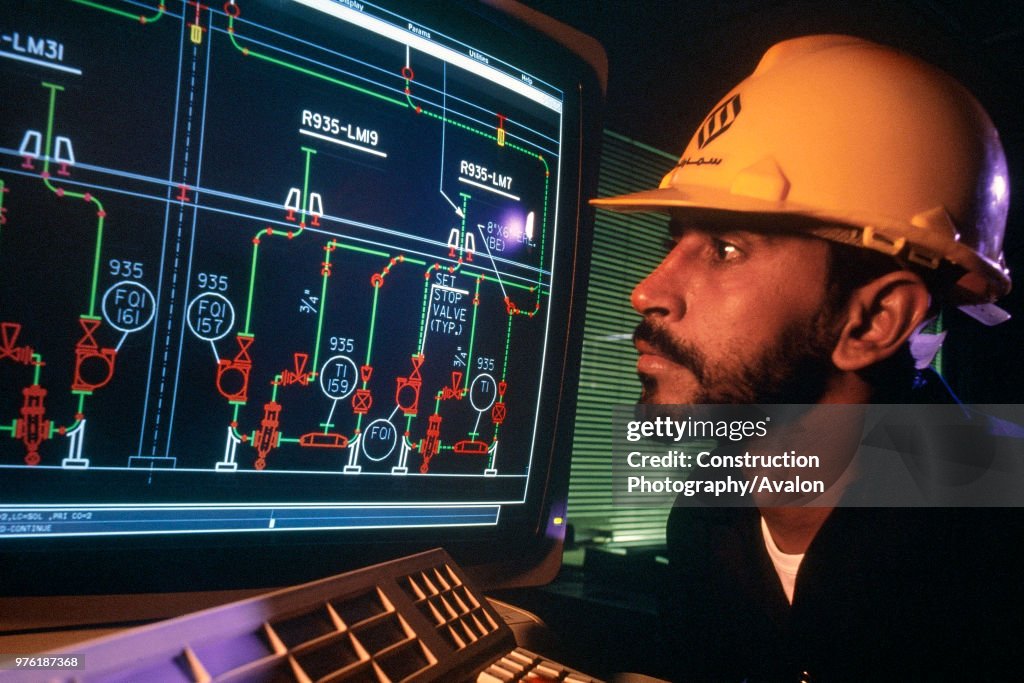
651,393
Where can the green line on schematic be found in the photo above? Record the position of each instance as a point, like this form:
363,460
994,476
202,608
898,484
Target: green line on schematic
443,118
161,8
373,327
325,274
330,79
472,332
61,192
305,189
252,283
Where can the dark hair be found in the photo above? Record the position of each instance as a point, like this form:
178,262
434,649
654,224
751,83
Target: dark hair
850,268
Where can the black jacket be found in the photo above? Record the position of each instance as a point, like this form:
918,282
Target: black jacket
882,595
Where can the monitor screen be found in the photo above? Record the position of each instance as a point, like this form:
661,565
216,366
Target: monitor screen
286,287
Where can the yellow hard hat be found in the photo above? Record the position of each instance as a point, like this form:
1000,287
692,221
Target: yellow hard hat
875,147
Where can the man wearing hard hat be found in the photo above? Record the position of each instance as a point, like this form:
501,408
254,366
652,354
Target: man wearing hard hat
827,207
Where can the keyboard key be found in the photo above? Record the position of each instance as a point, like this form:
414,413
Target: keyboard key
500,673
511,664
548,669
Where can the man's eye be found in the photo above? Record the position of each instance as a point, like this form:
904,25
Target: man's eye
725,251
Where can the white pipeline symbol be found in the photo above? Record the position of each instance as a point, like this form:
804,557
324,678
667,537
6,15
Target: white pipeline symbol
314,205
467,246
63,155
31,148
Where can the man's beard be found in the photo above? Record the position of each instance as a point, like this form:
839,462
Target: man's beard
794,369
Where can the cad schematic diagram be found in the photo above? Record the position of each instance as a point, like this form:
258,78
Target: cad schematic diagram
321,254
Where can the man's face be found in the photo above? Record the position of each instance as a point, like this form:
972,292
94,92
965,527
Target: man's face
732,316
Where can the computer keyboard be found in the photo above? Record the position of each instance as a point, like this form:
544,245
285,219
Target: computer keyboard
523,665
415,619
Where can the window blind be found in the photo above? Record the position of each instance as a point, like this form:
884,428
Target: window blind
627,246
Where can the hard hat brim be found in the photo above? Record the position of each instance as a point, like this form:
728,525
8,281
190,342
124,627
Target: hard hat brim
723,207
692,197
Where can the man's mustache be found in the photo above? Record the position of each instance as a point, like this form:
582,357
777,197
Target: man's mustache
679,352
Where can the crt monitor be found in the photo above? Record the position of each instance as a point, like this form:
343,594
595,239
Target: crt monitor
287,288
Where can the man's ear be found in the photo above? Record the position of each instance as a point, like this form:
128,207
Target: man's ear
881,316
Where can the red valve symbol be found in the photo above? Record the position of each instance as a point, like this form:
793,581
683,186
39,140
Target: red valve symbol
267,438
233,375
32,429
8,338
97,363
430,444
361,401
299,376
407,391
455,390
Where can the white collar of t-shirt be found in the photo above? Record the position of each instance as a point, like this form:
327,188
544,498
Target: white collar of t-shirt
786,565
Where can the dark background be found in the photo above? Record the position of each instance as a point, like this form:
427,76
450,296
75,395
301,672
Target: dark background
670,62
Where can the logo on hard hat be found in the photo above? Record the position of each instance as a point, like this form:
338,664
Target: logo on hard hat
718,121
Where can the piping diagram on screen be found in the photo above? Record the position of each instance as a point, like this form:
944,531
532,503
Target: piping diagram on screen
316,245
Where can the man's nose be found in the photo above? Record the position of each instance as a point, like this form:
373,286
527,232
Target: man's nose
662,293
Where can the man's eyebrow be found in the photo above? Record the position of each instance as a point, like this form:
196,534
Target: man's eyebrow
678,227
